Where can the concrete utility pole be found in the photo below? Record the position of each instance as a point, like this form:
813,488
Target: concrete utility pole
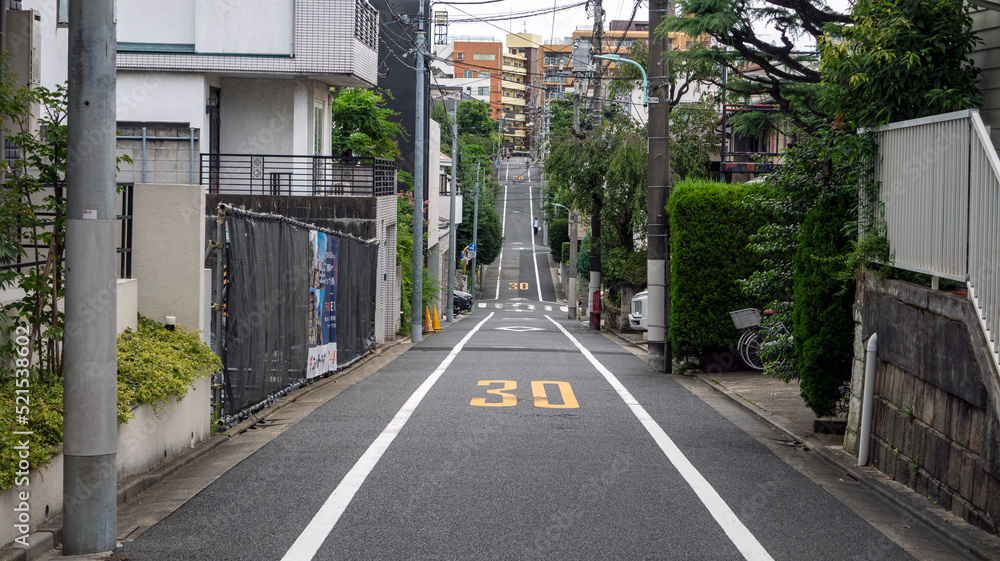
452,238
573,232
90,378
595,219
419,143
658,163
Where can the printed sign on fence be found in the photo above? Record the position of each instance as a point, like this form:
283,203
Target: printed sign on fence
323,304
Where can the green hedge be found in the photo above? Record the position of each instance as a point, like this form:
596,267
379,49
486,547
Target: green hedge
710,227
558,234
565,252
823,326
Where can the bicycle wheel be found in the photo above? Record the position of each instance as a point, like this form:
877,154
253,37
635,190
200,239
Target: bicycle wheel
750,350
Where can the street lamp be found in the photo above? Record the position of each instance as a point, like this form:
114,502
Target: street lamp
645,80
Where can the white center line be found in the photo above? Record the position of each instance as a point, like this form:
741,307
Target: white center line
731,525
503,232
310,540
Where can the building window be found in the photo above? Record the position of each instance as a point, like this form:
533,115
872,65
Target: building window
484,90
467,74
484,74
62,10
484,56
460,56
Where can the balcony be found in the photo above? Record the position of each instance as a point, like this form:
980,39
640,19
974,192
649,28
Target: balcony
258,174
336,42
515,69
508,85
519,117
516,101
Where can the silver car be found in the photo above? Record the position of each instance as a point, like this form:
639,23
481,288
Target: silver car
637,319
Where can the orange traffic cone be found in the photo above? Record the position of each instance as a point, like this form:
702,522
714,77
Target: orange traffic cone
427,320
436,323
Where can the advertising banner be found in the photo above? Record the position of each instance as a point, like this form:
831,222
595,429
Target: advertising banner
322,334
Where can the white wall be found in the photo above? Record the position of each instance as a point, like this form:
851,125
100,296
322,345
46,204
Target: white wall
247,26
168,245
257,116
156,21
163,96
54,46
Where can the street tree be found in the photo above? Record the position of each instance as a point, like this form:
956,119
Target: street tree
362,125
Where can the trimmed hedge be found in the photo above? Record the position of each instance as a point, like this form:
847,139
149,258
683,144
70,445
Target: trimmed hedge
823,326
558,233
710,227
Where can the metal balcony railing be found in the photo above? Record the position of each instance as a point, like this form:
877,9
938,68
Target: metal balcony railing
940,189
259,174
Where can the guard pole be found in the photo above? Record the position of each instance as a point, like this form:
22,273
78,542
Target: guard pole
90,375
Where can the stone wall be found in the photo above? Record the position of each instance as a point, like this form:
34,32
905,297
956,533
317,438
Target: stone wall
936,415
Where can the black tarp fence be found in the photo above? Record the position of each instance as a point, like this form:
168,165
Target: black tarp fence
299,302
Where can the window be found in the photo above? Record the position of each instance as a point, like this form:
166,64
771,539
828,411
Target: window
484,74
467,74
62,17
484,56
460,56
483,90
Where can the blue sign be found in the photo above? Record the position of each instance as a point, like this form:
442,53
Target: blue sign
472,247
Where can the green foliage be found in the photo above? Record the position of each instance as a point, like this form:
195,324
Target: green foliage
45,422
32,199
404,258
693,139
565,252
901,59
824,326
155,363
362,126
558,235
583,257
489,241
619,265
710,226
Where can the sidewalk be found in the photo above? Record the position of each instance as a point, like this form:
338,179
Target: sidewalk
780,405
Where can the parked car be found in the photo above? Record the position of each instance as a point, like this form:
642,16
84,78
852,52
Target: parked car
462,302
636,318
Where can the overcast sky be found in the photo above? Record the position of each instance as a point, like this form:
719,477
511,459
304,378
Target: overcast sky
562,22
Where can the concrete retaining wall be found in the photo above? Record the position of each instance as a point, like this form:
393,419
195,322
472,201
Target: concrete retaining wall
936,417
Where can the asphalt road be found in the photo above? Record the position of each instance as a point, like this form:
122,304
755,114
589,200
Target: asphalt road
516,434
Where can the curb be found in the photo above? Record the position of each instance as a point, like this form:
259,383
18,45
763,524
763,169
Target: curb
968,538
45,539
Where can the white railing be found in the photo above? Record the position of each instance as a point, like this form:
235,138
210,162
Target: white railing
940,193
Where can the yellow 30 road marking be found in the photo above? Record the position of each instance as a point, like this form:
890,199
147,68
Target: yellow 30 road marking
508,400
537,390
568,398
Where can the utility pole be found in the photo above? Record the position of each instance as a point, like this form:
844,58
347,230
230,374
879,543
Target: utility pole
419,143
658,163
90,378
452,240
475,234
573,233
595,218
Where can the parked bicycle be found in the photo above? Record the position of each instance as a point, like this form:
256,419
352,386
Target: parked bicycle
755,337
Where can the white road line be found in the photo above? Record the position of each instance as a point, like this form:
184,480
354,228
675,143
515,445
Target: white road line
731,525
564,308
548,308
482,304
534,257
310,540
503,232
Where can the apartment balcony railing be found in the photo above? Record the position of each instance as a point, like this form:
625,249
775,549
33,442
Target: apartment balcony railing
514,69
940,190
258,174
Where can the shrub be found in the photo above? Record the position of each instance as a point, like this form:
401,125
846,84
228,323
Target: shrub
823,325
558,233
710,227
565,252
155,363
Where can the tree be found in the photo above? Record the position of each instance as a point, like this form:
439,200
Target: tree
779,71
361,125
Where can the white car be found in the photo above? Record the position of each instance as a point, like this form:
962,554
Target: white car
637,318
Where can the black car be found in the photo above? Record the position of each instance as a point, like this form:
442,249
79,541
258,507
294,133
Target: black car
462,302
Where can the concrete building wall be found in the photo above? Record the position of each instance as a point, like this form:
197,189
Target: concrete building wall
936,415
386,297
168,244
245,27
154,21
171,154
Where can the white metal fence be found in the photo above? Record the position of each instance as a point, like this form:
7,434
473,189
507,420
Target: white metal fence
940,191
